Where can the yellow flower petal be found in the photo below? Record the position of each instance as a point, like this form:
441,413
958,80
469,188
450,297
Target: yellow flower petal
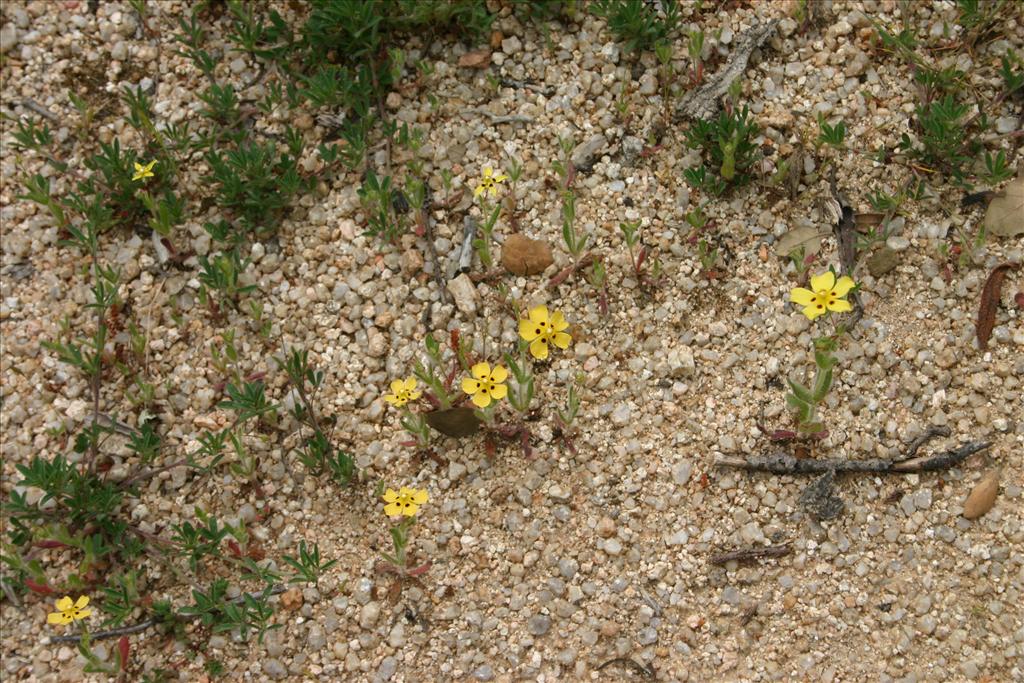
410,510
539,314
413,395
823,282
481,370
396,386
802,296
84,613
813,311
528,330
420,496
500,178
57,618
470,386
480,189
561,340
558,322
390,496
82,602
392,509
488,172
499,391
539,349
843,286
481,400
409,384
499,374
840,306
65,603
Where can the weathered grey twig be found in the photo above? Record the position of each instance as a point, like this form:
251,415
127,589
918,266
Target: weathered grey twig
926,436
545,90
498,118
845,228
645,671
702,102
651,602
29,103
751,554
428,233
106,635
466,252
784,463
148,623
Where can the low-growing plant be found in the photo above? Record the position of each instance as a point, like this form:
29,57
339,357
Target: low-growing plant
943,142
833,136
695,50
727,145
317,453
256,183
403,504
308,566
637,24
215,610
826,296
646,271
575,242
220,279
486,190
597,276
375,195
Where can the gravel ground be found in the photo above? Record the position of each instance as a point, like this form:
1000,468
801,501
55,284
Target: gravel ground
548,568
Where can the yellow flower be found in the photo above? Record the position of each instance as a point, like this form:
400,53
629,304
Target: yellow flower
142,172
486,384
402,391
68,611
825,294
406,502
541,330
489,183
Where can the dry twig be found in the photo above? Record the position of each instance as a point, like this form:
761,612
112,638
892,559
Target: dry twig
702,103
498,118
751,554
784,463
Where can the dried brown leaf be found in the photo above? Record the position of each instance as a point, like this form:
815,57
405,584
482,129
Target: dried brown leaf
1005,214
868,219
454,422
982,496
478,59
989,304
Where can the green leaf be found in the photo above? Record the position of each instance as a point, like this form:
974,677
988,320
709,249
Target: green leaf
802,392
802,408
824,360
822,383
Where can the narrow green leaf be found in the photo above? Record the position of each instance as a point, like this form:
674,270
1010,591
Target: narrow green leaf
802,392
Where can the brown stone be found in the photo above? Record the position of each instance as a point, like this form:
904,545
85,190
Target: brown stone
478,59
291,599
983,495
521,255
